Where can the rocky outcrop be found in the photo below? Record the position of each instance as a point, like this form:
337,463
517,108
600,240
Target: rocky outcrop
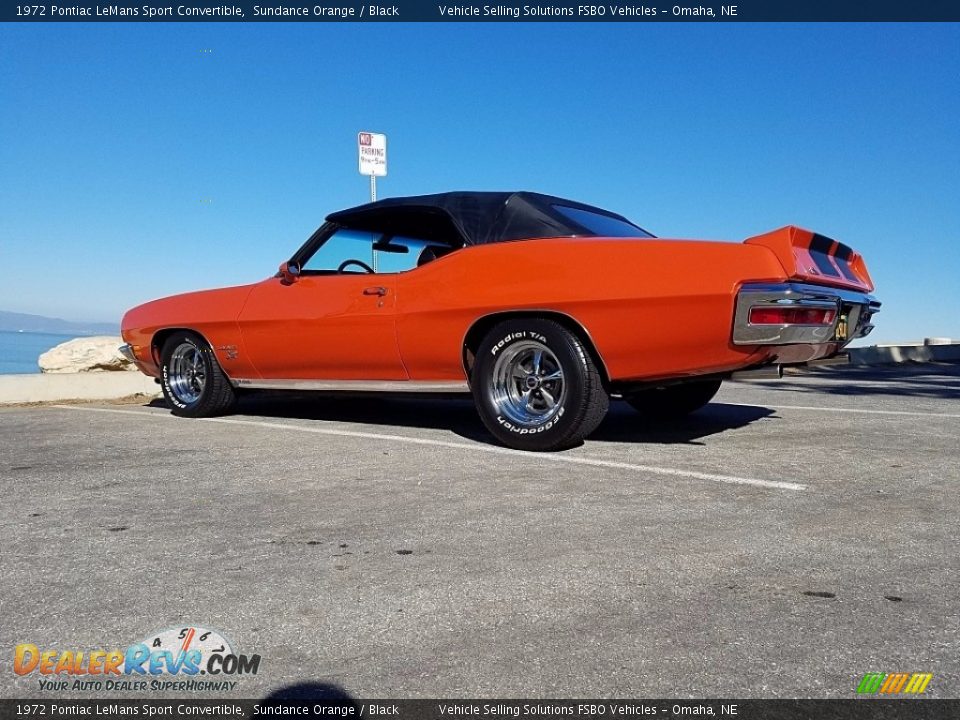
85,354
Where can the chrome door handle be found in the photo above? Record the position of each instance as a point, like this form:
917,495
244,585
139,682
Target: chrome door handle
379,290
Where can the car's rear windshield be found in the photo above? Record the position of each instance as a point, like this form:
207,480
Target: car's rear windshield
601,225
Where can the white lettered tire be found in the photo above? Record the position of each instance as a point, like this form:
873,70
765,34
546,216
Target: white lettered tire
536,386
193,383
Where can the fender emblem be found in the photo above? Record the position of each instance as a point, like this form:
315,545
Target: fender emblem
230,351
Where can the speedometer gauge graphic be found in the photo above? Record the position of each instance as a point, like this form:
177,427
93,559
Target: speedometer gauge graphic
183,639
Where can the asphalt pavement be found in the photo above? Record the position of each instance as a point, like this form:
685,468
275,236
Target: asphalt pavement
783,541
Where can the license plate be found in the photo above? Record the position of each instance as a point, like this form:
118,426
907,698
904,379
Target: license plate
842,328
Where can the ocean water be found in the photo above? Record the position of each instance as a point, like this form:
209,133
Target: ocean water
19,350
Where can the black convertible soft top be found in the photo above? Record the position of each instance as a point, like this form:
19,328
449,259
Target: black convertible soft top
472,218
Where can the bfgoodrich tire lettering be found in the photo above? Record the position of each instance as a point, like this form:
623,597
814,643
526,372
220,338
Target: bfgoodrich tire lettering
193,382
536,386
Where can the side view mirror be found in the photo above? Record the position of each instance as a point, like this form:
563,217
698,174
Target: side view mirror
289,273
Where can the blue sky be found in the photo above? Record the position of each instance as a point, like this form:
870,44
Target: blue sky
141,160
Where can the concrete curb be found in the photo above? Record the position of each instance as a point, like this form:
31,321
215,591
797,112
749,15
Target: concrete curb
893,354
41,387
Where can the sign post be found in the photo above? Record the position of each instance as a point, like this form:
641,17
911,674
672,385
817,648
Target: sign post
372,150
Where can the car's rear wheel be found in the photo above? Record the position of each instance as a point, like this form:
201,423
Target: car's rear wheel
192,380
536,386
673,401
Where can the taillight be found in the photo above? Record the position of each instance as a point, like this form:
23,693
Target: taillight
791,316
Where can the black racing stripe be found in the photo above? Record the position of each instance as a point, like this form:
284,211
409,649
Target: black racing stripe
843,252
821,244
819,249
845,269
822,261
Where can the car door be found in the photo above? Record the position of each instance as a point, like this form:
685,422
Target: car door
335,321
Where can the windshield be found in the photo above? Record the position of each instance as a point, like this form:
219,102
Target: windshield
601,225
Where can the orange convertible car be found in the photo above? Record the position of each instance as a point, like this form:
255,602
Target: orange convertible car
543,308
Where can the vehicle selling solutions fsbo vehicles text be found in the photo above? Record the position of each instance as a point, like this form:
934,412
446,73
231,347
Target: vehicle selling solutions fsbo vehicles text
583,11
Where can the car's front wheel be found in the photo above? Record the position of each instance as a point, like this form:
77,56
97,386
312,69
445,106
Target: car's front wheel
193,383
536,385
673,401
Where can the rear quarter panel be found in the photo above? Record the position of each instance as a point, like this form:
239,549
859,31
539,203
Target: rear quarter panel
653,308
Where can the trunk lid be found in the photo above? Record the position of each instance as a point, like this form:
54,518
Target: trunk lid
815,258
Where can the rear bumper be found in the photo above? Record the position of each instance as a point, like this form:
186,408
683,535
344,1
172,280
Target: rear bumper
854,311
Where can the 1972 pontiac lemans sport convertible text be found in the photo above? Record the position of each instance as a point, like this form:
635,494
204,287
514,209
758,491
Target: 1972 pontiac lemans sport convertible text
543,308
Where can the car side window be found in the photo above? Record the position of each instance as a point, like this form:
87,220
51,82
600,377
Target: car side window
343,245
401,253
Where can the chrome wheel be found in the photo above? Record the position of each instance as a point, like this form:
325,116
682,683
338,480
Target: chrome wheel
187,374
527,386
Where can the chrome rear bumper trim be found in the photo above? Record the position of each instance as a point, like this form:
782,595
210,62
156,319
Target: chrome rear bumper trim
862,307
411,386
127,351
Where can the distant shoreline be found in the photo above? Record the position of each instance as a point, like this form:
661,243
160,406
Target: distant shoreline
20,351
58,334
22,323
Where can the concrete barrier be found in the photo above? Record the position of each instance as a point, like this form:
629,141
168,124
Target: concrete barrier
17,389
938,351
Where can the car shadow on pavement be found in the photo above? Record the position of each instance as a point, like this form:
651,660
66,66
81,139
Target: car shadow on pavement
457,414
923,381
327,693
435,412
624,424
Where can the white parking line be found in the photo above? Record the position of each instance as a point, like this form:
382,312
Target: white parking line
849,410
542,457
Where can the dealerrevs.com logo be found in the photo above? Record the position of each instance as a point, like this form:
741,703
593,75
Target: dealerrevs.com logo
181,659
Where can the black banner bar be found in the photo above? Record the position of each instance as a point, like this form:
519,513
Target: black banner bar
453,11
853,709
